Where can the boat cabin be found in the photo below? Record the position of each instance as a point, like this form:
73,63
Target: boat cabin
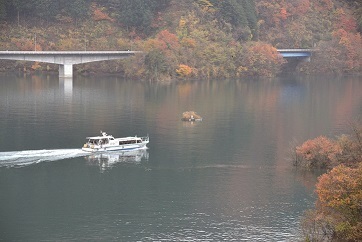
107,142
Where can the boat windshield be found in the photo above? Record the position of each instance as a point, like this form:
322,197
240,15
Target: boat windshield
98,141
93,141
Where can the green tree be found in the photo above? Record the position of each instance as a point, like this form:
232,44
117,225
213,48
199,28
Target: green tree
251,16
232,11
78,8
138,14
47,9
135,13
156,64
24,7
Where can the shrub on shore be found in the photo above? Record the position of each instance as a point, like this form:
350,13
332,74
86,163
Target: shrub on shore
322,152
338,212
337,216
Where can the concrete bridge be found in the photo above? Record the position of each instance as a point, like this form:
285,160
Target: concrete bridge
65,59
303,54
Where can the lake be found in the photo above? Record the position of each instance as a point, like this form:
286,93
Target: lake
226,178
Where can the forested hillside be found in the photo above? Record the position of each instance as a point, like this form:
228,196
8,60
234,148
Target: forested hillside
188,38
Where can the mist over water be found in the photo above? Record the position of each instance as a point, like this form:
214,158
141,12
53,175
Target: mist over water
227,178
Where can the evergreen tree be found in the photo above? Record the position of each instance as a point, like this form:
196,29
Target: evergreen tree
135,13
25,7
232,11
47,8
138,14
250,11
78,8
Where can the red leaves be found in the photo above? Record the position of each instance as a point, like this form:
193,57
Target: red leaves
318,152
168,40
345,21
283,13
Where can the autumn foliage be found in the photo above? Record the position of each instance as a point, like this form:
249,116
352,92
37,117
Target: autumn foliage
320,152
339,200
262,59
215,39
338,210
184,70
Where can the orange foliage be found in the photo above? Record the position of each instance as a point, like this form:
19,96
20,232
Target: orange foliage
319,152
262,59
350,44
184,70
188,42
338,187
36,66
168,40
283,13
151,44
339,198
273,13
344,21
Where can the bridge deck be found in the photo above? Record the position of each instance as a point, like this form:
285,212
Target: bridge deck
296,53
66,59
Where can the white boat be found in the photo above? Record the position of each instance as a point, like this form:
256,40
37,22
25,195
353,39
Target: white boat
107,142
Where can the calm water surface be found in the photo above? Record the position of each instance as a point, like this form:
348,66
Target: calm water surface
227,178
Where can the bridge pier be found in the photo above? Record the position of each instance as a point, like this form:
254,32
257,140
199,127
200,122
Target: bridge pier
66,70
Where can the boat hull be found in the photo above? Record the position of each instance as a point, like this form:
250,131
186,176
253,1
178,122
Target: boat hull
114,148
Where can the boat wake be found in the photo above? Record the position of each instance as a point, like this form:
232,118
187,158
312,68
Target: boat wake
29,157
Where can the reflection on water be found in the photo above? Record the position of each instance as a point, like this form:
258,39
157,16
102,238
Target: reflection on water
107,160
67,85
223,179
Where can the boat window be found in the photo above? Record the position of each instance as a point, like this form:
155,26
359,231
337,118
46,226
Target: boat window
127,142
93,141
